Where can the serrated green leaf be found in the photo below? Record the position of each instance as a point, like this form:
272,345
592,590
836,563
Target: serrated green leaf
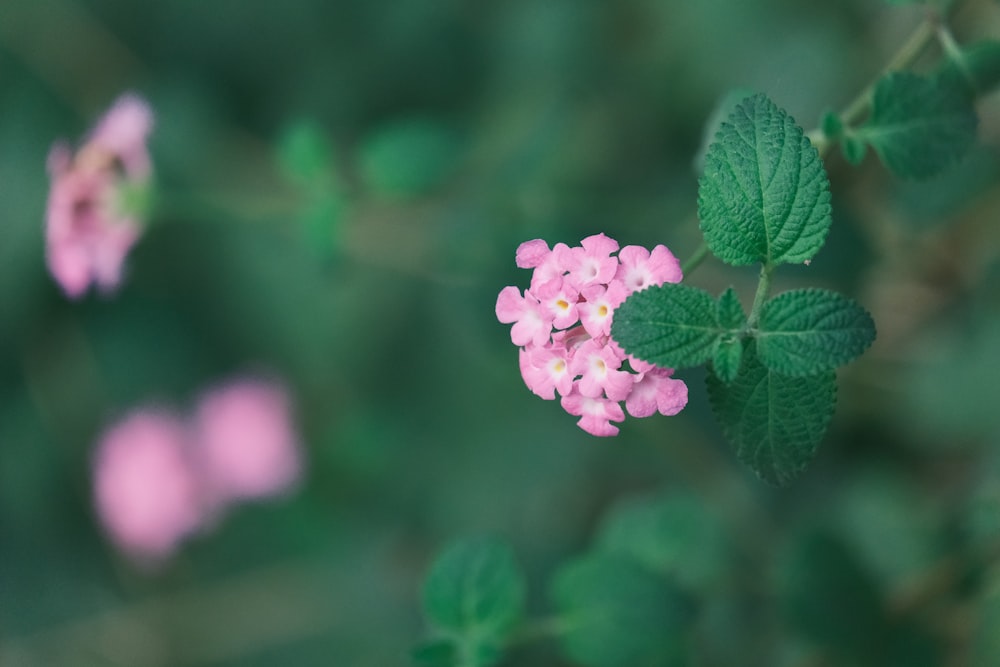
618,613
475,589
919,125
774,422
671,325
731,315
764,196
726,359
675,534
723,108
807,331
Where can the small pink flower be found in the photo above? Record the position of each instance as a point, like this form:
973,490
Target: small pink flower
657,392
246,446
89,227
145,491
531,323
559,298
597,365
531,254
641,268
596,414
546,370
601,301
593,264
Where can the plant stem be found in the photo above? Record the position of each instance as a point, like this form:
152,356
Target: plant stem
696,258
763,288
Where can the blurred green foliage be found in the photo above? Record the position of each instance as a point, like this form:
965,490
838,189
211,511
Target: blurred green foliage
455,131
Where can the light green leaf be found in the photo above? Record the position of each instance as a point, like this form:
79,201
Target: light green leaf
475,591
437,653
305,154
674,534
853,148
729,347
807,331
774,422
409,157
919,125
672,325
618,613
764,196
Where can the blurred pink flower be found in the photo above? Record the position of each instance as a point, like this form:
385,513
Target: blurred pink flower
92,219
145,491
245,443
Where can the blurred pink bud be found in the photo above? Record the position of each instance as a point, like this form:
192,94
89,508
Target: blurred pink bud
247,447
92,216
145,491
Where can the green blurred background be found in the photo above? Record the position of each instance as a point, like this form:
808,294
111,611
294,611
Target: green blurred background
441,134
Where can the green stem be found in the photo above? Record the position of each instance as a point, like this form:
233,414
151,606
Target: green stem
919,40
763,288
696,258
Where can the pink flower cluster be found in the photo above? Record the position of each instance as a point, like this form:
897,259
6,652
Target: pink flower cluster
92,219
159,478
562,323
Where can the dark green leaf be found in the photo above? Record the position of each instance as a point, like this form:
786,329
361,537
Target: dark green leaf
832,126
764,196
672,325
977,66
731,315
919,125
675,534
727,359
618,613
807,331
723,108
854,149
773,421
475,589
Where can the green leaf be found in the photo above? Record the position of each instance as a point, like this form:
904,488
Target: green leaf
774,422
437,653
977,66
854,149
475,590
304,153
723,109
729,348
807,331
832,125
919,125
409,157
764,196
674,534
671,325
617,613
